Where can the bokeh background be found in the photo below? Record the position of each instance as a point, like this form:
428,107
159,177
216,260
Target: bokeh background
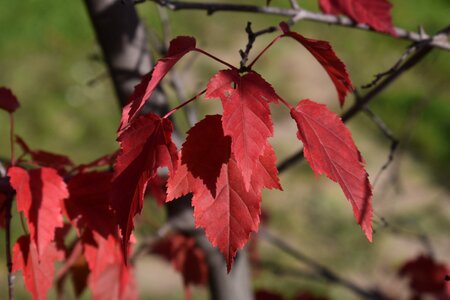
50,59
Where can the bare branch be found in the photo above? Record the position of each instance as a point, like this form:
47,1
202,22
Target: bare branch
359,105
318,268
297,14
388,134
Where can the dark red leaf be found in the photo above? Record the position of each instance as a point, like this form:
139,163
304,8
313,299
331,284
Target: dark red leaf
307,296
426,276
246,115
230,217
110,278
8,101
106,160
144,147
45,158
267,295
39,194
325,55
375,13
266,172
37,269
177,49
88,203
330,150
157,186
205,150
181,183
186,257
2,209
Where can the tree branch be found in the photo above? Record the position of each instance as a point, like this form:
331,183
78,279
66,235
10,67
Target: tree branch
319,269
362,101
297,14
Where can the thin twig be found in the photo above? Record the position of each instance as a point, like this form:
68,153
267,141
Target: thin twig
388,134
297,14
8,217
369,96
318,268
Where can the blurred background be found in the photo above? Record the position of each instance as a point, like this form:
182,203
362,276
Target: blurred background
50,58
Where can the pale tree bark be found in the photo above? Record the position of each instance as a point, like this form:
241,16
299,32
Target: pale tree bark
124,44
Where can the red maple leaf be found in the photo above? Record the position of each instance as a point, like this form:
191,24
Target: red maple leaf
8,101
181,182
205,150
186,257
325,55
246,115
88,203
230,217
37,269
39,194
375,13
233,212
427,276
330,150
110,277
157,189
177,49
145,146
45,158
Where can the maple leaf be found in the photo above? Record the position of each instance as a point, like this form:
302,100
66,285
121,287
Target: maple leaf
181,182
144,147
157,189
8,101
37,269
88,203
330,150
110,278
45,158
205,150
39,194
325,55
426,276
246,115
375,13
230,217
179,47
186,257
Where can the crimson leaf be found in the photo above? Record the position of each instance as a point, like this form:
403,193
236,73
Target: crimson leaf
37,269
375,13
246,115
205,150
177,49
330,150
8,101
89,199
39,194
325,55
145,146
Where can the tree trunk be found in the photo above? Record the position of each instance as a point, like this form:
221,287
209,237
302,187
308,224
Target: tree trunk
122,38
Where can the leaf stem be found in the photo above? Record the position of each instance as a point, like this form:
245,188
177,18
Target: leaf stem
183,104
215,58
263,51
285,103
9,199
11,137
